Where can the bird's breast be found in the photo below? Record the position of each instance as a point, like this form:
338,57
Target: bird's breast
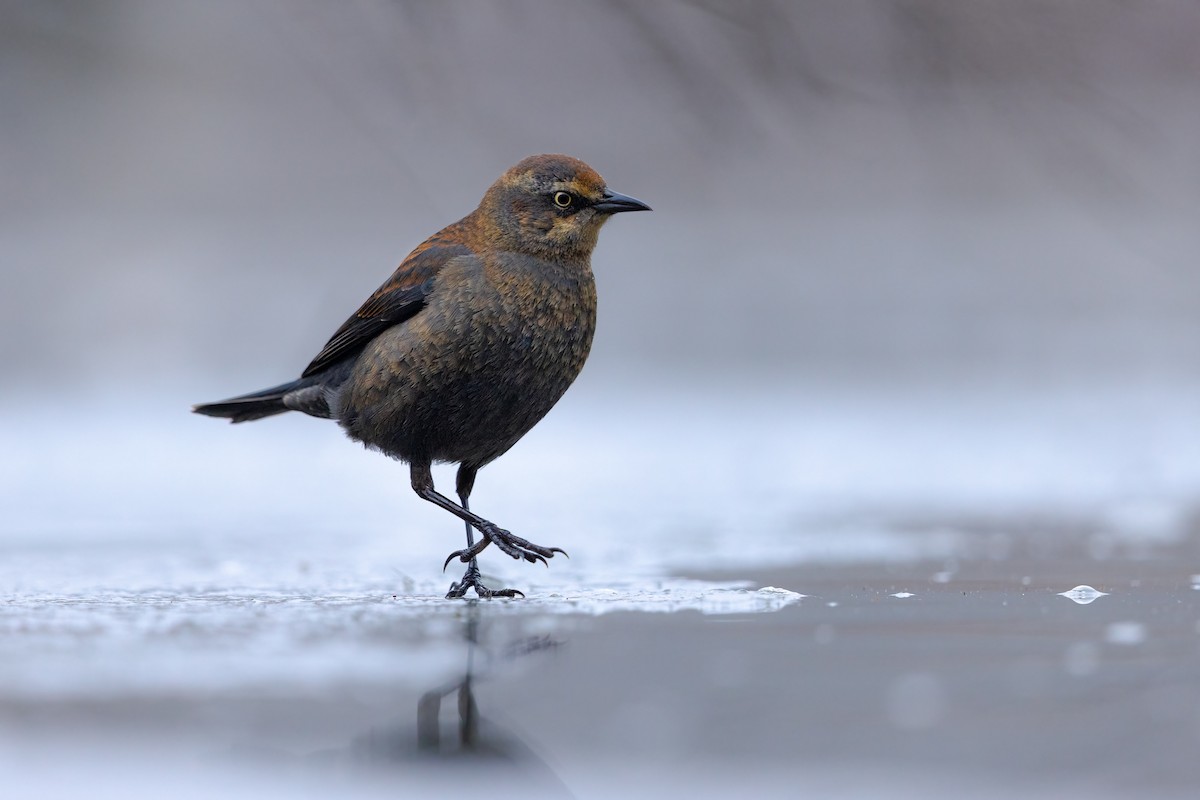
547,311
495,347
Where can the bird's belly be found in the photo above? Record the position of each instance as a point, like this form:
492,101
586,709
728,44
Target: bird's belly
456,387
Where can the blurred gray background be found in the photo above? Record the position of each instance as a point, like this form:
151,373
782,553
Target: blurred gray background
197,194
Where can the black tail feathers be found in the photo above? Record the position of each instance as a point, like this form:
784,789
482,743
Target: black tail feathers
256,405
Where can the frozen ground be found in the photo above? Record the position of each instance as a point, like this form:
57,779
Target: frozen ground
811,592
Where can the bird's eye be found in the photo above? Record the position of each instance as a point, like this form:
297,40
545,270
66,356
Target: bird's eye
563,199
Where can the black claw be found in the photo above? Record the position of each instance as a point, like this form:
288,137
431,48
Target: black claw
513,546
516,547
471,580
489,593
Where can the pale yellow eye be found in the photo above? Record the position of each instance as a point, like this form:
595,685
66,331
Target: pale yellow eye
563,199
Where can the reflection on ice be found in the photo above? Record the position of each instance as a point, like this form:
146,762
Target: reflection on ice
470,738
1126,633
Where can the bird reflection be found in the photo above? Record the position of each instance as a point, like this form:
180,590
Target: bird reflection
469,741
471,738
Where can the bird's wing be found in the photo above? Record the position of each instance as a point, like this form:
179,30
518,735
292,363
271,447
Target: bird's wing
398,299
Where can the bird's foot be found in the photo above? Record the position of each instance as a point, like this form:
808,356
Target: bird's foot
511,545
472,580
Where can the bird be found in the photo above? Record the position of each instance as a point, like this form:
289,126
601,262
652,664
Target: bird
469,343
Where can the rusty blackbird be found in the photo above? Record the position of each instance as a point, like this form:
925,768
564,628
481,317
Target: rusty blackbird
468,344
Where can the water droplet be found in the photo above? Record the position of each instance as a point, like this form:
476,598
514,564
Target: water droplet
1082,594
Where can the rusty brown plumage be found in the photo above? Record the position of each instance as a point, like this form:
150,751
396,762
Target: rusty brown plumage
469,343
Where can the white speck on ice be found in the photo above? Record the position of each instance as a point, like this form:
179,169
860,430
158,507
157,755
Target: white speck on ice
903,595
1082,594
779,591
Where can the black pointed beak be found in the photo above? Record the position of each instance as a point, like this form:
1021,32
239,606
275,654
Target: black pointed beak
615,202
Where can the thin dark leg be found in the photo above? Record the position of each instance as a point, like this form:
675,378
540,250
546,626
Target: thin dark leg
464,482
472,579
514,546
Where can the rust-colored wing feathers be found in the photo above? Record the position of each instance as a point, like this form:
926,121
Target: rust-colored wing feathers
398,299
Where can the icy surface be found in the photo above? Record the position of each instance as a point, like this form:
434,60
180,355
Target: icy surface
123,531
175,614
187,640
181,598
160,552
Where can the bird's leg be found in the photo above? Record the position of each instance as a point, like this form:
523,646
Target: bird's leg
463,484
472,579
514,546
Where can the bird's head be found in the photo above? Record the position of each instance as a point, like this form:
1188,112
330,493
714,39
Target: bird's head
551,205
